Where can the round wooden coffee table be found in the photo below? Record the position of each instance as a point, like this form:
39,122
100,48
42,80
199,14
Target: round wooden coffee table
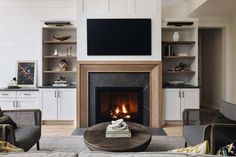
95,139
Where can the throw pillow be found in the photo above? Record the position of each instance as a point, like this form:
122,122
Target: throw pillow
229,150
5,119
202,148
6,147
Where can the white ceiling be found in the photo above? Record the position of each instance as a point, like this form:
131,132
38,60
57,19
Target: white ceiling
216,8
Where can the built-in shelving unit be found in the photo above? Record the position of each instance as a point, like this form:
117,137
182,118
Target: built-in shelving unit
181,52
66,50
180,68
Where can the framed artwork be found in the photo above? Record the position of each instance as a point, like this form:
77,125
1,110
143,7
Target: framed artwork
26,73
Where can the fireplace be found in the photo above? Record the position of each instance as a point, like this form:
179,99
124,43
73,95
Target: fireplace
113,103
129,74
113,94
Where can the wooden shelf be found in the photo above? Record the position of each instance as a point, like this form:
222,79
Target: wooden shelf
178,42
60,42
62,28
55,72
179,28
179,72
58,57
178,57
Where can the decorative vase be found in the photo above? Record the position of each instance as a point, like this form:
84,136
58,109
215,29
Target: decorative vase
176,36
63,65
55,52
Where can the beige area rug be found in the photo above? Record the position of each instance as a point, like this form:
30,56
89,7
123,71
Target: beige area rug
76,143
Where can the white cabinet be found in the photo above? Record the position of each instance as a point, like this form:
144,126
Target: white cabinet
49,104
172,104
66,104
176,100
11,100
58,103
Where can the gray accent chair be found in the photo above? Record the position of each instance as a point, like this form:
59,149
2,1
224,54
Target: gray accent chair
28,131
216,126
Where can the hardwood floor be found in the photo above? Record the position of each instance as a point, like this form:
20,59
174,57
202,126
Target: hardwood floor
57,130
173,129
66,130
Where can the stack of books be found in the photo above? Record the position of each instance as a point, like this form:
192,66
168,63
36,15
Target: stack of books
60,83
111,133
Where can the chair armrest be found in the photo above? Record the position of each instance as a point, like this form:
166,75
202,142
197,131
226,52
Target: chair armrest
7,129
199,116
26,117
224,130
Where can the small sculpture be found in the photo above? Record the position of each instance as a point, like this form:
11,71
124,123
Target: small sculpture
118,129
118,125
181,67
63,65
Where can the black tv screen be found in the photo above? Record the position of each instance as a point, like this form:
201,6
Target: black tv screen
119,36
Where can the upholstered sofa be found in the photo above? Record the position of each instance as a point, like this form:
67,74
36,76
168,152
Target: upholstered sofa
39,154
100,154
136,154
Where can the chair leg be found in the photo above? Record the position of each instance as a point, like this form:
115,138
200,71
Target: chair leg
185,144
37,145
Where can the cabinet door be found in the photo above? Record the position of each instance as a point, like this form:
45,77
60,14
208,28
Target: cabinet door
27,103
190,98
49,104
8,100
28,100
172,104
66,104
8,103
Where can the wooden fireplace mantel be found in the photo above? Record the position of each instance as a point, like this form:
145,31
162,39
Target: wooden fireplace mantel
154,69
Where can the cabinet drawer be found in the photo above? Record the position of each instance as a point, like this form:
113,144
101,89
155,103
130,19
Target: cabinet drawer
27,94
7,94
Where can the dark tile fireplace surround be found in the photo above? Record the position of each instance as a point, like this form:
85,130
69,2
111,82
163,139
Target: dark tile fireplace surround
114,95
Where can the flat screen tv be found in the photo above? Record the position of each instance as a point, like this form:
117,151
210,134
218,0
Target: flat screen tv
119,36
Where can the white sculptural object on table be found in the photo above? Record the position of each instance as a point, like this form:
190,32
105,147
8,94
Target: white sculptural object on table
118,125
118,128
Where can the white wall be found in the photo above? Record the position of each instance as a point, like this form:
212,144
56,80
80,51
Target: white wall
119,9
20,30
224,24
211,63
174,8
233,58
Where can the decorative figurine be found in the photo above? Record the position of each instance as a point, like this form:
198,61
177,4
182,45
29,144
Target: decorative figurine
63,65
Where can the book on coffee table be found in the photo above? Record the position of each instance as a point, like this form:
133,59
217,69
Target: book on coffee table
111,133
118,135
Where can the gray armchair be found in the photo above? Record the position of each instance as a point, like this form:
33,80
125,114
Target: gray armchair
28,131
216,126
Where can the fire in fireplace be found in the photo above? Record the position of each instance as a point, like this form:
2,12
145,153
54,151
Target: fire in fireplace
119,102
